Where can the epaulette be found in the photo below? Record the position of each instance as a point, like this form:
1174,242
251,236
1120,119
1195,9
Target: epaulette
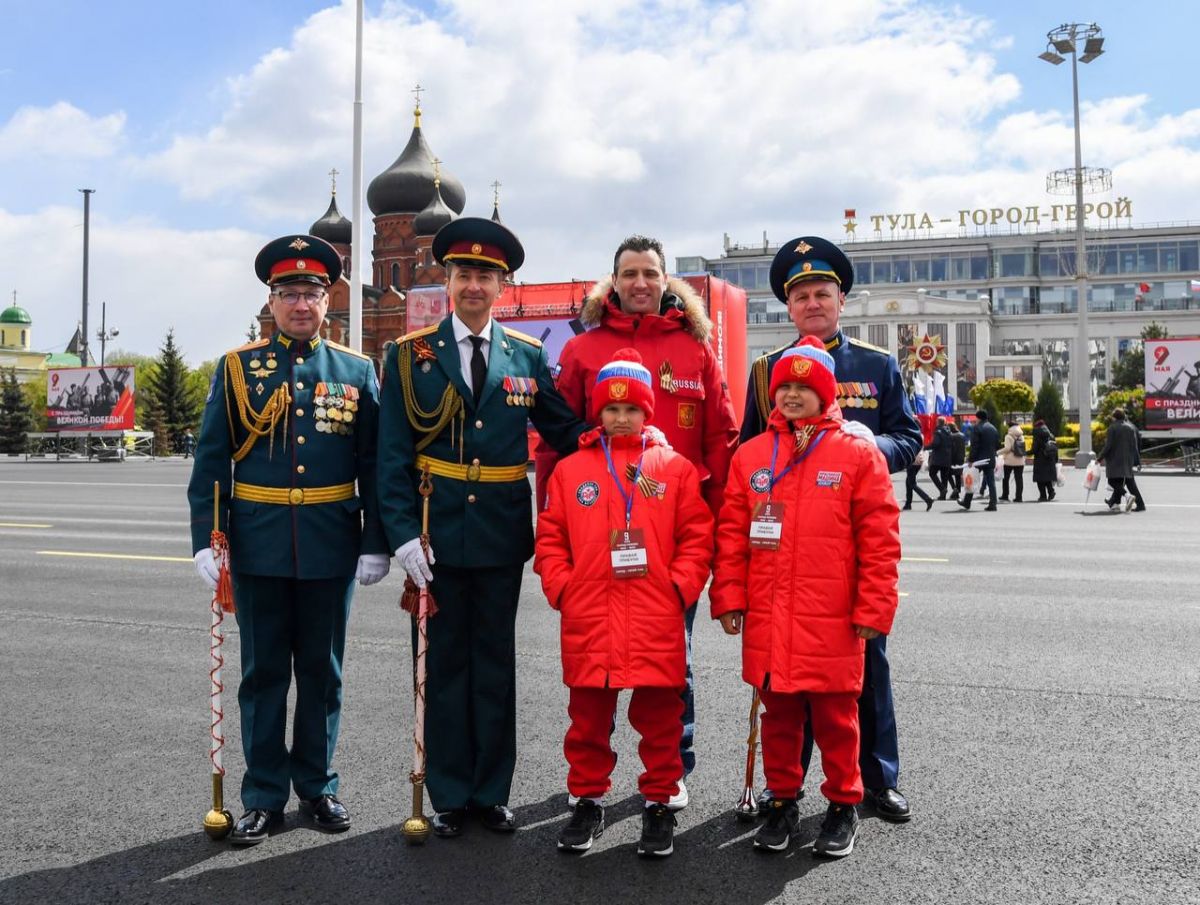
862,343
257,344
342,348
424,331
523,337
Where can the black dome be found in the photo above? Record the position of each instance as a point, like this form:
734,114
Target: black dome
435,216
406,187
332,227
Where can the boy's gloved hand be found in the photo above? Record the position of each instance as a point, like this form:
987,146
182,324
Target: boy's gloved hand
732,622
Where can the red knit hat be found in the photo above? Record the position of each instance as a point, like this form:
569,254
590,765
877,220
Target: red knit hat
624,379
807,363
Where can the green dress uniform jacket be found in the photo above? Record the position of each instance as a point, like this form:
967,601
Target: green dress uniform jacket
481,531
289,435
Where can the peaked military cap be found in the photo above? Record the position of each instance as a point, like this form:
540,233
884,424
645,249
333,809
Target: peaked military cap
293,259
478,242
809,258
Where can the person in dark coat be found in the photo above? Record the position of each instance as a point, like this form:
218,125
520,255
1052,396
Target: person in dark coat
1120,456
958,456
1045,461
985,443
939,458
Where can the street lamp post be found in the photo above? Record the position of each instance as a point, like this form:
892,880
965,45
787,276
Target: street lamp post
105,334
1065,40
83,331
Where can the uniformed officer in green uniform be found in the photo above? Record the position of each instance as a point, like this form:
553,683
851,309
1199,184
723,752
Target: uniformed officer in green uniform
289,434
455,402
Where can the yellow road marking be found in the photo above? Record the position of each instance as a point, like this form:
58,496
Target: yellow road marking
22,525
114,556
923,559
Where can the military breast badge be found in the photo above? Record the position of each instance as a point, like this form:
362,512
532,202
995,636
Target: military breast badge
520,391
335,408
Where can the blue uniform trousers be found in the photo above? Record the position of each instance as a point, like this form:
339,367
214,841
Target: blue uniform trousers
470,688
290,624
879,747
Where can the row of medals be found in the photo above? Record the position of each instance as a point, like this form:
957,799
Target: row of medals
525,399
334,414
857,402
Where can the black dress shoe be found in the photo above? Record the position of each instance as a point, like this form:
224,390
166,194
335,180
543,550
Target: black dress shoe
254,826
327,813
498,818
448,824
890,805
991,508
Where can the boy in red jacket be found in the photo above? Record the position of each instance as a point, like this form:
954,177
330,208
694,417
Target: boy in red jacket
624,543
808,544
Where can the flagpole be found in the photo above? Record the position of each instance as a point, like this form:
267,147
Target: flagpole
356,207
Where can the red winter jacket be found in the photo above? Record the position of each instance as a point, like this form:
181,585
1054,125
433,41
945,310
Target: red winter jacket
836,566
696,413
623,632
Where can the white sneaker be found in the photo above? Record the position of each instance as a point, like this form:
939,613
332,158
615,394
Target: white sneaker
1129,503
679,800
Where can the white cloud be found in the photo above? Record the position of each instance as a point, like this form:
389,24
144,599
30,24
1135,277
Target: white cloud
61,131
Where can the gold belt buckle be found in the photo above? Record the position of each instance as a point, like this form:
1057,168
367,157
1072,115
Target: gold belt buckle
473,472
296,496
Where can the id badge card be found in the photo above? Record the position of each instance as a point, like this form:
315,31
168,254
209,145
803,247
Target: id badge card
628,552
766,528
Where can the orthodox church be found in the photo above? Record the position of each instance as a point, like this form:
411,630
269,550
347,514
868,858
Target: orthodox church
411,200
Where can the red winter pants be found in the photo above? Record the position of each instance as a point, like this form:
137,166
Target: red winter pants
655,713
835,730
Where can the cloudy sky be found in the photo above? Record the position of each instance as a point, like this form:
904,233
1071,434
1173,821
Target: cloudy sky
207,129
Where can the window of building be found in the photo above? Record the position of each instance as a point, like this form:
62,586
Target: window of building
1014,262
862,272
920,270
881,270
979,266
1189,257
939,268
1010,300
396,275
851,332
960,268
877,335
966,363
992,372
23,339
1147,257
1023,373
900,271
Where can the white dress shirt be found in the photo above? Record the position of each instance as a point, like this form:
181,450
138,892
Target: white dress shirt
466,348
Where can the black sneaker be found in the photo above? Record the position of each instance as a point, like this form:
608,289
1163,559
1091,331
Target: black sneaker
839,829
782,823
585,825
658,832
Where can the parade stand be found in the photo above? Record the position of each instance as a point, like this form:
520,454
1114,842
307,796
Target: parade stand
103,446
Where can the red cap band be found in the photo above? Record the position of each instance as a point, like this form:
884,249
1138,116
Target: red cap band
492,255
298,267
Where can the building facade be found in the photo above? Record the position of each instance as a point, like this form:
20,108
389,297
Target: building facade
1003,305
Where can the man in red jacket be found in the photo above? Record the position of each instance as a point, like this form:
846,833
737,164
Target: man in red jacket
640,307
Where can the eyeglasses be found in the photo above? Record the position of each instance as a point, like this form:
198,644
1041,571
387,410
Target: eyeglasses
291,296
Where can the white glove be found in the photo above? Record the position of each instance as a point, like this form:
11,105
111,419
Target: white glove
657,436
206,566
858,429
412,557
372,567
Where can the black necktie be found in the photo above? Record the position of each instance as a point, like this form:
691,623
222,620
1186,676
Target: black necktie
478,367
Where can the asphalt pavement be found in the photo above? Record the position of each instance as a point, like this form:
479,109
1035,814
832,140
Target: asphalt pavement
1044,663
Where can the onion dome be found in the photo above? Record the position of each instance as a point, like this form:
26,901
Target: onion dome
332,227
436,214
406,187
15,315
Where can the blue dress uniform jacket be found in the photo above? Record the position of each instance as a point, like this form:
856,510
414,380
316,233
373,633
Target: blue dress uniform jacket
289,434
303,452
870,391
481,531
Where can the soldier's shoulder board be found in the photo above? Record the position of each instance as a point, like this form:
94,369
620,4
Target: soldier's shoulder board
257,344
863,344
523,337
416,334
347,350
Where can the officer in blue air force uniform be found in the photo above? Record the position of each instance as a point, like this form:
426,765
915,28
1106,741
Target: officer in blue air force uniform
812,276
289,434
455,401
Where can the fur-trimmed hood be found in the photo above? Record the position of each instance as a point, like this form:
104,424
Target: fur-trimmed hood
680,300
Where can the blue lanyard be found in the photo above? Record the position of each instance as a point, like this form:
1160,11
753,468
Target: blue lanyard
776,478
612,470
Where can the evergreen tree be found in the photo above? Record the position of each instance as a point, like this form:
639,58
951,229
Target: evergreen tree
1049,407
15,417
172,405
1130,369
